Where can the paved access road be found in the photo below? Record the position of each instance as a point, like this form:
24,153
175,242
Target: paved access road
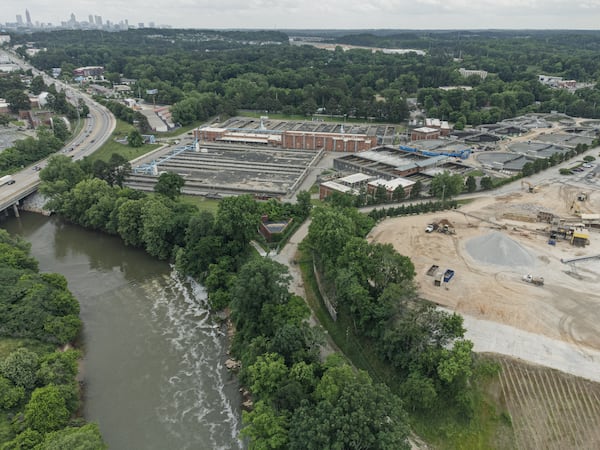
97,129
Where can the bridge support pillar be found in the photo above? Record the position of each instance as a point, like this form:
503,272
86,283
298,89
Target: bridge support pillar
16,210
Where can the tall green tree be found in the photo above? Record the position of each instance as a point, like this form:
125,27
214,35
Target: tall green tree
17,100
47,410
20,367
169,184
349,412
446,185
135,139
471,184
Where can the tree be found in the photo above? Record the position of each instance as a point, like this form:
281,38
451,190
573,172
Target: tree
20,367
86,437
261,286
28,439
37,85
169,184
329,232
118,169
17,100
47,410
486,183
10,395
471,184
237,219
399,194
446,185
130,222
267,375
415,192
59,128
158,224
527,169
58,367
349,412
303,204
59,176
135,139
265,428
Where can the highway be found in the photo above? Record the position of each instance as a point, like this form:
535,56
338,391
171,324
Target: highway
97,129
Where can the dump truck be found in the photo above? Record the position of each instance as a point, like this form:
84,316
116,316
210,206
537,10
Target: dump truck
538,281
6,179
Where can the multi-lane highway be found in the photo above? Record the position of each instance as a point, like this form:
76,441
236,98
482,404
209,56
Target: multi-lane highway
97,129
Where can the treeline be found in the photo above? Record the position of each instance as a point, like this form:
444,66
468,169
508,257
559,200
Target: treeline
356,83
30,150
126,114
373,287
39,394
412,208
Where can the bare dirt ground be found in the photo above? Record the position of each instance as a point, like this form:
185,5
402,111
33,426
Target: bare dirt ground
566,308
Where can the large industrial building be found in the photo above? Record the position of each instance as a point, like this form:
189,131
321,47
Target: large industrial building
315,135
229,169
390,163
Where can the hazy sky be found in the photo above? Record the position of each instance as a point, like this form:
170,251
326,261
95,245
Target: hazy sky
272,14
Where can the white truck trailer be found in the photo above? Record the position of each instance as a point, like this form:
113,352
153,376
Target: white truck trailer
6,179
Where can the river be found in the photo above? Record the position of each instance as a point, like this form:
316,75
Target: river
153,368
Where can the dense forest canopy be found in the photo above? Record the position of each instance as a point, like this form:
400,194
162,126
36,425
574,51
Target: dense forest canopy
204,72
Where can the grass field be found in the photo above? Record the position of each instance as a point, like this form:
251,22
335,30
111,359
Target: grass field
203,204
111,146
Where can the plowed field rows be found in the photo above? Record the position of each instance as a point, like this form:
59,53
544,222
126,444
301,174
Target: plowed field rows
550,410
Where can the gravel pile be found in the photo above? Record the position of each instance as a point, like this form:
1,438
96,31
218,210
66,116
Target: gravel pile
500,250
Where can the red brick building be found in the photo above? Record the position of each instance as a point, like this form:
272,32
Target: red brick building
331,142
301,140
424,133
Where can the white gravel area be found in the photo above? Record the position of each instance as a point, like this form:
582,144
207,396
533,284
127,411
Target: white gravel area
494,337
499,249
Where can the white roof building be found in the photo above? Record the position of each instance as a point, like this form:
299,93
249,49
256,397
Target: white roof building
392,185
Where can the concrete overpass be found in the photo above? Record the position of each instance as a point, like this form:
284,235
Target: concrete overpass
97,129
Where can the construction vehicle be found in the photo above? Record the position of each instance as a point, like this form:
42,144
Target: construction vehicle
444,226
538,281
530,187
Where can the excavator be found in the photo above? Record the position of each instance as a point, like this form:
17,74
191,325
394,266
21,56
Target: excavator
530,187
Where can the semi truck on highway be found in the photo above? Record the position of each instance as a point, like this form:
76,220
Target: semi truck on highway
6,179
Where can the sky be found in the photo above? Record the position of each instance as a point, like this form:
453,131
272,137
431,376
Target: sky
320,14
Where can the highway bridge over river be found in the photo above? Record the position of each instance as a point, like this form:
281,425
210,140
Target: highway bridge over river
97,129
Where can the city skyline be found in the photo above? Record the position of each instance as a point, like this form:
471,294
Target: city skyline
312,14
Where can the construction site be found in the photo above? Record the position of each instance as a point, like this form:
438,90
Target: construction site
498,246
522,268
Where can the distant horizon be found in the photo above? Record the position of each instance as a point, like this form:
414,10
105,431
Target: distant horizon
417,15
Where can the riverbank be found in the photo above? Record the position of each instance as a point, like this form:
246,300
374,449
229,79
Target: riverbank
146,330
